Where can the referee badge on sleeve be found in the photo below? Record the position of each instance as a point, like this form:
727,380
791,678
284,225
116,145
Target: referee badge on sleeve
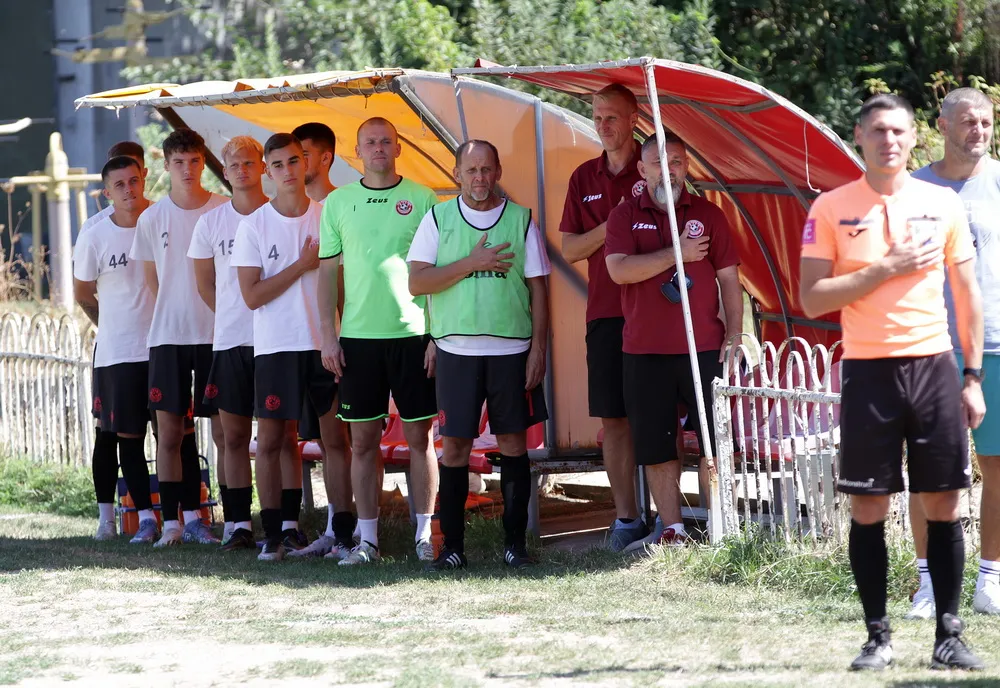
809,232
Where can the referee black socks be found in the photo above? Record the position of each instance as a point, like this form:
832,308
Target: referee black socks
870,564
132,454
945,560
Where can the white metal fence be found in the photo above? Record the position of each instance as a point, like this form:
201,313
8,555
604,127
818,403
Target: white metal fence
45,391
777,415
45,385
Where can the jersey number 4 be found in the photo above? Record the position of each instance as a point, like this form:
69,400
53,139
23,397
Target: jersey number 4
116,261
273,253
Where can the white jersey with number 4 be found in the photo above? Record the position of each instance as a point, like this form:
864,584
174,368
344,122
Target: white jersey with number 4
126,304
268,240
163,236
214,236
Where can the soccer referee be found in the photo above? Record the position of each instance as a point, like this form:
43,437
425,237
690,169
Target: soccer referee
876,249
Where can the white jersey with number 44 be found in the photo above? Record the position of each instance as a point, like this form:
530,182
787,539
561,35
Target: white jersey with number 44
126,304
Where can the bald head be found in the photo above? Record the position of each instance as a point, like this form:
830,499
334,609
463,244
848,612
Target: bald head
378,146
376,123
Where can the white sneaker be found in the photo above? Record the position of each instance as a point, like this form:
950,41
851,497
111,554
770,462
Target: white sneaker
319,547
425,550
987,599
365,553
171,536
923,604
648,541
339,552
106,530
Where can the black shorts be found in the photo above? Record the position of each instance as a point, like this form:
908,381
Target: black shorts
654,384
120,397
604,368
465,382
377,367
171,367
309,422
283,381
230,382
887,401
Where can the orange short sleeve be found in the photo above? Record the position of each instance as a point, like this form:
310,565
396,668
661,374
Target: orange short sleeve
818,237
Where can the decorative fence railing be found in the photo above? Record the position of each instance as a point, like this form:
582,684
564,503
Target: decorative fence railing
777,415
45,391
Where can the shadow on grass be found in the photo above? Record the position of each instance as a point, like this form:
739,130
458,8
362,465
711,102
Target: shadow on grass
581,673
965,681
399,563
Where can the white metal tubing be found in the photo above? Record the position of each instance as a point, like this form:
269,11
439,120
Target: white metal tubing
685,303
60,235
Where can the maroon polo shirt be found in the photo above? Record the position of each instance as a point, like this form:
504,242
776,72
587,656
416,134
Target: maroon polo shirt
654,325
592,194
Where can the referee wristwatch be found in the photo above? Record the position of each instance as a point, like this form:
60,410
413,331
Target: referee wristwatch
976,373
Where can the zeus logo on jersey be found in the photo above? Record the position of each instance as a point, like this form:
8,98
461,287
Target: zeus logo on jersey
593,197
643,225
378,200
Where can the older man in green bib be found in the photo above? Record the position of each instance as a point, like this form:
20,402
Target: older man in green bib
481,259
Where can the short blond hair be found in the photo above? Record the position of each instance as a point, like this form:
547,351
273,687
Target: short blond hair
621,92
238,143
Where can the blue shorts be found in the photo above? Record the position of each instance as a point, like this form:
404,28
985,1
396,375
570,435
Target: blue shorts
987,435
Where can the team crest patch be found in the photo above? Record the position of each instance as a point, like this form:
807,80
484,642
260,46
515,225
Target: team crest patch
809,232
638,188
404,207
273,402
211,391
441,419
155,395
97,404
694,228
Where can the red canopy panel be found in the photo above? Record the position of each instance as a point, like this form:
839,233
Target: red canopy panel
759,157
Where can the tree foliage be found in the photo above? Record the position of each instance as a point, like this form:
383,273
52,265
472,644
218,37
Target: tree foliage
825,57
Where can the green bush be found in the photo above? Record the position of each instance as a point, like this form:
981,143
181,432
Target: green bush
37,487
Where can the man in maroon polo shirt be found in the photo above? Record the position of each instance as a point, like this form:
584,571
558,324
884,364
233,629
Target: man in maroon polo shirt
595,188
657,368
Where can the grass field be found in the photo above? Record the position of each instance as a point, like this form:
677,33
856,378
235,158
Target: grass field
80,612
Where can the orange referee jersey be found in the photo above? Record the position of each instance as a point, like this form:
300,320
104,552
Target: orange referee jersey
853,226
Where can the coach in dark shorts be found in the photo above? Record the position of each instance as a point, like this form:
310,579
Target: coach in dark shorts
657,366
482,260
595,188
876,249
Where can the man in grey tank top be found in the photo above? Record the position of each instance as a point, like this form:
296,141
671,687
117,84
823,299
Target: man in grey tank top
966,123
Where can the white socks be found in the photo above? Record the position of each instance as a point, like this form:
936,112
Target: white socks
989,573
289,525
423,527
329,521
925,573
227,530
192,516
171,525
105,512
245,525
146,515
369,530
678,528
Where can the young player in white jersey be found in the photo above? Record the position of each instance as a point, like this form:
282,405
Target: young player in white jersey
104,459
230,382
319,147
103,273
180,337
276,254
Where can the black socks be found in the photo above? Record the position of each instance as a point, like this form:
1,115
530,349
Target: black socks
870,564
291,504
515,483
945,561
238,501
190,474
453,489
104,466
132,451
